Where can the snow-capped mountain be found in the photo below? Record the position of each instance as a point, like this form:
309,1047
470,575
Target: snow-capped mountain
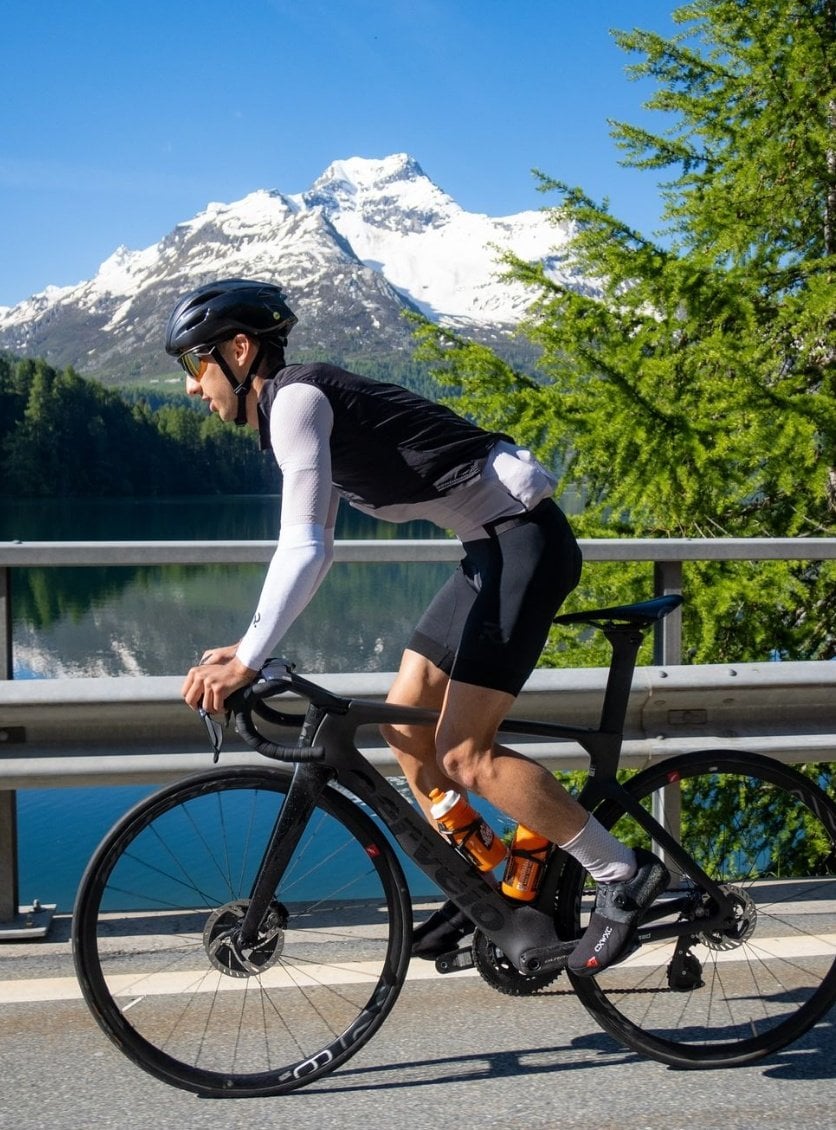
367,240
443,259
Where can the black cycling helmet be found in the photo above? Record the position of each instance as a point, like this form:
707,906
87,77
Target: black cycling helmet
217,312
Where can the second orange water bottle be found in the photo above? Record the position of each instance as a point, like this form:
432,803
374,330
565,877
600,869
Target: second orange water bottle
526,863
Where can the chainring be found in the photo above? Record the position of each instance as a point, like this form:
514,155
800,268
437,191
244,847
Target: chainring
495,968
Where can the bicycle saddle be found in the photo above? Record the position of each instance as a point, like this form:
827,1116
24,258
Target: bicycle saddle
640,615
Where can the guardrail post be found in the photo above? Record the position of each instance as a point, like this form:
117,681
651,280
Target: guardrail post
667,650
34,921
8,798
667,637
8,856
667,809
5,623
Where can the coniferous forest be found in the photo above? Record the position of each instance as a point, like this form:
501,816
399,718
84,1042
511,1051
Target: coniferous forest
62,436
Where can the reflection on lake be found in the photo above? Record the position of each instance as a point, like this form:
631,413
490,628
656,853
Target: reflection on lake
136,620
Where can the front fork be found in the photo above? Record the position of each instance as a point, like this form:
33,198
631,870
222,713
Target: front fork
305,789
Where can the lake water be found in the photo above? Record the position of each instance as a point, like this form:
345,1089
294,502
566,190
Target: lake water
156,621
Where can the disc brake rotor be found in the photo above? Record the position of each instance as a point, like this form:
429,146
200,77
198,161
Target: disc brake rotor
222,939
740,930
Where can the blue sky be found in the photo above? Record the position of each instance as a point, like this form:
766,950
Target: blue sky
120,119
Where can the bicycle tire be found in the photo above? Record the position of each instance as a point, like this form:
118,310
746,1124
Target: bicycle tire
149,937
763,984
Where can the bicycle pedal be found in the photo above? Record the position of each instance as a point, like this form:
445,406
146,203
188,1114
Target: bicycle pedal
455,960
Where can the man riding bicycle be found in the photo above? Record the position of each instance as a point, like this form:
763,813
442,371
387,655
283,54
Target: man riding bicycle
400,457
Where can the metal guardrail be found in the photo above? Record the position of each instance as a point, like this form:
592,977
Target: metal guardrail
103,731
62,731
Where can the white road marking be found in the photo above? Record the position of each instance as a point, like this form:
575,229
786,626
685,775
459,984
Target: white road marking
42,989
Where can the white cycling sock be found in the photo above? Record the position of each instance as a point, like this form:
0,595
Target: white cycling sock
605,858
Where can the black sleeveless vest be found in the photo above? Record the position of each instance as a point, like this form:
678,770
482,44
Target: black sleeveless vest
389,446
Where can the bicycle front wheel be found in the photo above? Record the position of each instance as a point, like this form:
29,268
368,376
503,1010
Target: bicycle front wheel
728,996
155,947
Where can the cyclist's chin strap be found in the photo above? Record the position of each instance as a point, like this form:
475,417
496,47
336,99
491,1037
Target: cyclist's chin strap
240,388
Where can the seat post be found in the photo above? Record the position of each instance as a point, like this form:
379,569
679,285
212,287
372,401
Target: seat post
625,642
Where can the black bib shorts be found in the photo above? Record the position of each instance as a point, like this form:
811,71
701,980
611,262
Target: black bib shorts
489,623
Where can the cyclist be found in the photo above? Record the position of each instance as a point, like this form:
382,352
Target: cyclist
399,457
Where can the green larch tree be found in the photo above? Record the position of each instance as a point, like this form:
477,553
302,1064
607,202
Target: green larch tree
695,394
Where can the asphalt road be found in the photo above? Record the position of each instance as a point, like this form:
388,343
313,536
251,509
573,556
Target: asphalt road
454,1055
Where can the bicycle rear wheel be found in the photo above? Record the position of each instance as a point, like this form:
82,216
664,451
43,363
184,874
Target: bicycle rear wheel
730,996
154,944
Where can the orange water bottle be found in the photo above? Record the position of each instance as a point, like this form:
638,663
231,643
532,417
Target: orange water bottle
524,870
463,824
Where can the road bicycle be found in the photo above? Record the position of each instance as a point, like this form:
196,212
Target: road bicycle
245,931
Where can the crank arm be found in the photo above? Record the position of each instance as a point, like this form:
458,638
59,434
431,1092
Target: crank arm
455,960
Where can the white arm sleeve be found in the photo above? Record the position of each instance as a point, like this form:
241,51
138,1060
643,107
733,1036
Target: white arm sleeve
300,427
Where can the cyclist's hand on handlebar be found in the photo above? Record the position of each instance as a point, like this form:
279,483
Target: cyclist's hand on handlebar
209,684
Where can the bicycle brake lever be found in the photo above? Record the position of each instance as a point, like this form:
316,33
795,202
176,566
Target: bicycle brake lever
215,731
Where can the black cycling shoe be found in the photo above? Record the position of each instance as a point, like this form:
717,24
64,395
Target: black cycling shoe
442,932
609,937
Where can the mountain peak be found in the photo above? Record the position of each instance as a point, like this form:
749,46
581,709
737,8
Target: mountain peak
363,174
391,192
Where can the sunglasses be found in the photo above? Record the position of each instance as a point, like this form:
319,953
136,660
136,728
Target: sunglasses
196,362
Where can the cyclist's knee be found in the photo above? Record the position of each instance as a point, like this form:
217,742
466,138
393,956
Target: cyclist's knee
466,733
467,766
